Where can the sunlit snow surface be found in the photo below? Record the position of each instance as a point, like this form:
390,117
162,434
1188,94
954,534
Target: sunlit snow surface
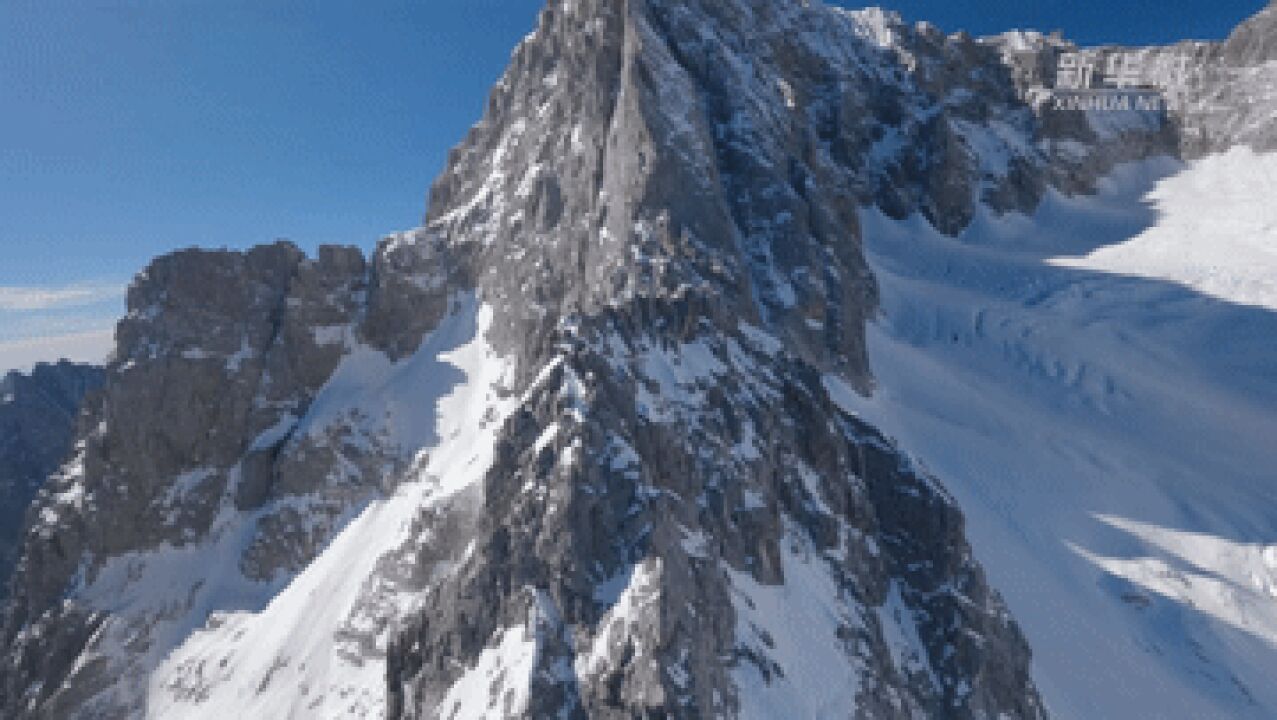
1216,231
1097,385
305,654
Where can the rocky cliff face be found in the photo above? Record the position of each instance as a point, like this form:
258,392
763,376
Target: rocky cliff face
1254,42
38,414
1230,100
574,447
678,265
197,440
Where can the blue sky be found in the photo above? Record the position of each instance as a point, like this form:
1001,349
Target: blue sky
129,128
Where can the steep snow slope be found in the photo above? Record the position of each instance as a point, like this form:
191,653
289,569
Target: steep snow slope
1097,384
317,649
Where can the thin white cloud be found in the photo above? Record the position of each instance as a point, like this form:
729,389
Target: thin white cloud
27,299
91,347
50,323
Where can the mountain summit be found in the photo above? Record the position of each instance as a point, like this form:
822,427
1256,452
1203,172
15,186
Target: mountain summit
598,439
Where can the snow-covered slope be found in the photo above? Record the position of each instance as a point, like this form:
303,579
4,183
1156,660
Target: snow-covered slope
1214,230
317,649
1097,384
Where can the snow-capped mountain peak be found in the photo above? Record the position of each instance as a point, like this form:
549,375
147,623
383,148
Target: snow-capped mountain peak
717,323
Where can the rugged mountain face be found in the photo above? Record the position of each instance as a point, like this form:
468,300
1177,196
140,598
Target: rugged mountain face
38,414
581,445
1230,99
1254,42
198,439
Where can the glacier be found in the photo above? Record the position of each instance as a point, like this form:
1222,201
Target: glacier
1096,382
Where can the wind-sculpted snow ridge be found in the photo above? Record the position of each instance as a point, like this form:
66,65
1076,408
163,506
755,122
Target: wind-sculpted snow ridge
601,439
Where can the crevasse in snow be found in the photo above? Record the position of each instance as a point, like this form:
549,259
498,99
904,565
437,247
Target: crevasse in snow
1096,385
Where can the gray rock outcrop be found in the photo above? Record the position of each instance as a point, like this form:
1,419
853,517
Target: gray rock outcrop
38,412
